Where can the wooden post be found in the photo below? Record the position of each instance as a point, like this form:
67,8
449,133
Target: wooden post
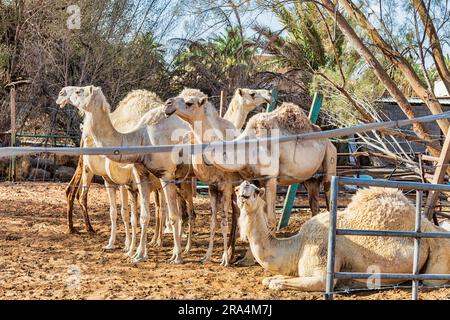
222,98
292,191
441,168
12,93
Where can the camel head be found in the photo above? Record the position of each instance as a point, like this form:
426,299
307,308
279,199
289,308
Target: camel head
248,199
250,98
82,98
189,108
64,95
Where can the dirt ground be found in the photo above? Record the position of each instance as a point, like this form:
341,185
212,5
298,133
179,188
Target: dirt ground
38,260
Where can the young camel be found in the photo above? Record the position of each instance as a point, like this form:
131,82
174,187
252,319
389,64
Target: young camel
116,174
301,260
220,183
153,129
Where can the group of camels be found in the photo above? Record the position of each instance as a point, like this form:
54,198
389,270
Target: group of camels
143,119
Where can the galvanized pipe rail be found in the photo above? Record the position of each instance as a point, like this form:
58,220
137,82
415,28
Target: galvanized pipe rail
199,148
332,275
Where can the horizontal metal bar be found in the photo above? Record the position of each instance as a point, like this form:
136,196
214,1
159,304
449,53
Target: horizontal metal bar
198,148
382,233
393,184
404,276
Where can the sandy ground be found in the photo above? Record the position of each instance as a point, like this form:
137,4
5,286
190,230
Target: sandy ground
39,261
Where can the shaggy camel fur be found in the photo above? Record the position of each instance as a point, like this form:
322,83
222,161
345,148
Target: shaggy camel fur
153,129
301,260
220,183
126,114
243,102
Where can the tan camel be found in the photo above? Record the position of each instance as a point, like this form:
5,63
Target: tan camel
126,115
153,129
220,183
243,102
284,163
301,260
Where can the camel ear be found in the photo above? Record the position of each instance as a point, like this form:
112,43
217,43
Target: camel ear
241,93
91,89
203,101
260,192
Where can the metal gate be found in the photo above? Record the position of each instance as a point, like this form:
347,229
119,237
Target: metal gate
416,234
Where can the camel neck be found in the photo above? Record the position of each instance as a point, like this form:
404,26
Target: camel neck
273,254
236,112
208,129
98,124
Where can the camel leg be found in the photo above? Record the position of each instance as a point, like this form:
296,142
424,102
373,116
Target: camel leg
247,261
266,281
125,213
111,191
157,236
213,193
186,192
144,193
71,192
167,225
234,221
86,180
134,222
314,283
170,193
313,187
225,205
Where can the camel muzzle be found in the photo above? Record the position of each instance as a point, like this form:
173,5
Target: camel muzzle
170,108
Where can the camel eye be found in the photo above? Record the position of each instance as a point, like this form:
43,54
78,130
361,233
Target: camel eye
253,94
189,104
78,92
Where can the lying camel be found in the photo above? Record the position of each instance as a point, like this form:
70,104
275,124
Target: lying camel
301,260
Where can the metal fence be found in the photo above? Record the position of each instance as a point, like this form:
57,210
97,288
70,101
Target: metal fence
416,234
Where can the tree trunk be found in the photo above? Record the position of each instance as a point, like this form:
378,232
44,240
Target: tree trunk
436,47
397,60
390,85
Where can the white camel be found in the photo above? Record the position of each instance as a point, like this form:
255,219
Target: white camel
129,111
301,260
243,102
153,129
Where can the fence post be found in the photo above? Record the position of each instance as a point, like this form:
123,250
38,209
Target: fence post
415,283
331,255
292,190
13,131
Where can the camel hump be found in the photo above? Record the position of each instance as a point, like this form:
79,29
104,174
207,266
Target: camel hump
379,209
288,117
189,92
140,101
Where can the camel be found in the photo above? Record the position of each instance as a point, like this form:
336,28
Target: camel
283,163
153,129
126,115
301,260
243,102
220,183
